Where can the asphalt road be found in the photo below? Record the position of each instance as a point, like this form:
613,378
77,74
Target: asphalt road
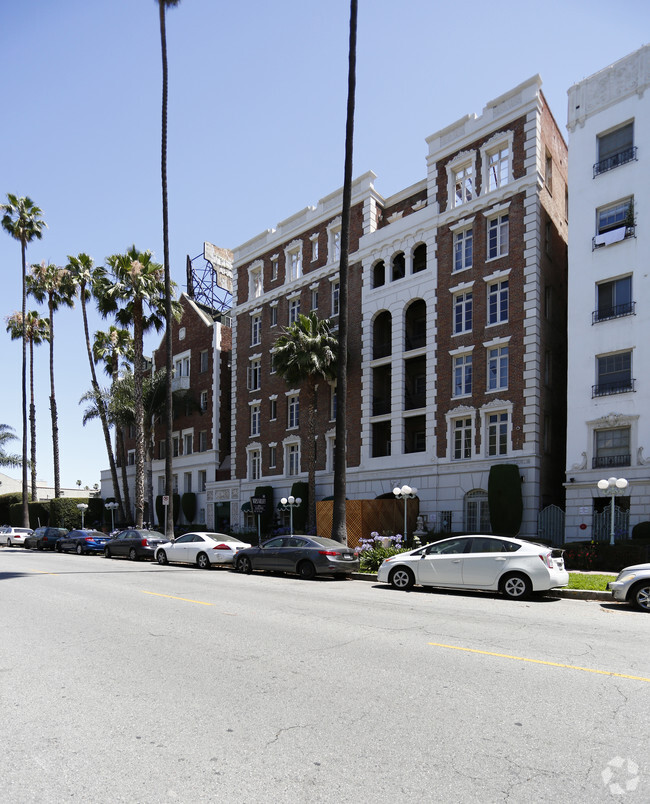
130,682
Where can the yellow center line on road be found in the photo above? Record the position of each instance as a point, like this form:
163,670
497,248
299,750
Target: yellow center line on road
185,599
540,661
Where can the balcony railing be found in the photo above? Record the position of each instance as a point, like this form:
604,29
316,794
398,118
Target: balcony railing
604,461
180,383
608,388
617,311
613,236
621,158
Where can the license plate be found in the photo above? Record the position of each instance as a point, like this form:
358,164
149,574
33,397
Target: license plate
346,558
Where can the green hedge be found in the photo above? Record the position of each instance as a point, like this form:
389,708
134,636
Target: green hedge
300,489
604,557
188,504
7,501
504,499
65,514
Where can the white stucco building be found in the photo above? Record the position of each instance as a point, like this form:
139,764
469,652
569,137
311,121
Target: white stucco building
608,433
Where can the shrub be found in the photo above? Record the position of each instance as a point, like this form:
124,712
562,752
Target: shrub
641,530
372,552
605,557
188,503
300,489
504,499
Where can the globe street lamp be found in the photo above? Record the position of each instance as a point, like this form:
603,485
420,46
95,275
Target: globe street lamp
613,488
290,503
112,506
405,493
83,508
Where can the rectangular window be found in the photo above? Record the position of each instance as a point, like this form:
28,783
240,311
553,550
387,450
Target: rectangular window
497,433
335,298
463,375
254,375
175,446
204,400
615,148
254,465
612,448
274,268
614,374
255,282
202,477
463,249
614,299
175,484
256,330
314,298
188,443
274,315
462,439
161,484
293,459
273,409
187,482
463,185
162,449
294,310
498,168
332,403
203,441
614,216
498,302
255,420
462,312
130,457
273,457
203,363
548,173
314,248
335,245
498,368
293,411
295,264
498,236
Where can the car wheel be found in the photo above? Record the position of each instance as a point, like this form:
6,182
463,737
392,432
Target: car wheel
516,586
107,553
202,561
80,550
402,578
8,542
58,548
244,565
161,557
306,570
133,555
39,546
640,595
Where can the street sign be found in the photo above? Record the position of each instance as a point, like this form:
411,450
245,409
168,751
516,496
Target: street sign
166,500
258,505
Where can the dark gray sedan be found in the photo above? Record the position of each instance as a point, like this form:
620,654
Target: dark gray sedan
134,544
307,556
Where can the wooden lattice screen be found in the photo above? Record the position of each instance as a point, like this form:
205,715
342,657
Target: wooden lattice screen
365,516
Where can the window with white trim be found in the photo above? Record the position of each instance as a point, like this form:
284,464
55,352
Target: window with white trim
462,312
274,315
463,184
497,366
255,284
314,298
294,263
614,216
462,370
498,167
204,363
334,243
254,464
612,447
294,310
187,482
188,443
204,400
255,420
497,430
274,267
335,297
462,432
273,456
256,330
314,247
497,301
498,236
463,249
293,459
203,441
255,375
175,446
293,411
203,479
130,457
273,408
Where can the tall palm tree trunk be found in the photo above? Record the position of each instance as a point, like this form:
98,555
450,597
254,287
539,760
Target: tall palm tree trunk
169,415
23,246
339,527
312,445
55,418
101,407
32,418
139,411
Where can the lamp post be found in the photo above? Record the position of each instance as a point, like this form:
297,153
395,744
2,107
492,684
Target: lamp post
83,508
290,503
405,493
112,507
613,488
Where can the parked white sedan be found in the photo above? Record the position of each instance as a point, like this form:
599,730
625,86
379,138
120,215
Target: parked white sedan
632,585
202,549
511,566
14,536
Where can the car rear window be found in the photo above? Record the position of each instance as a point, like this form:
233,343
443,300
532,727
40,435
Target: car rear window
326,542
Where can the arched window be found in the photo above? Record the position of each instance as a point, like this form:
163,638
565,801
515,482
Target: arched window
415,325
382,335
378,274
419,258
477,513
398,266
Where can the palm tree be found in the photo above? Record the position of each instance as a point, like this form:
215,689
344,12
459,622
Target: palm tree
111,347
86,276
22,219
162,6
339,528
53,284
137,293
38,331
304,354
8,461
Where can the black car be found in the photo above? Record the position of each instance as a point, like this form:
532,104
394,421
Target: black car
83,542
305,555
44,538
134,544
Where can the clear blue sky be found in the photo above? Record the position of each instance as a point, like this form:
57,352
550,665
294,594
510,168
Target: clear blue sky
256,128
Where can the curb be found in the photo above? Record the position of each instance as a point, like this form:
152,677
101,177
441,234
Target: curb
570,594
